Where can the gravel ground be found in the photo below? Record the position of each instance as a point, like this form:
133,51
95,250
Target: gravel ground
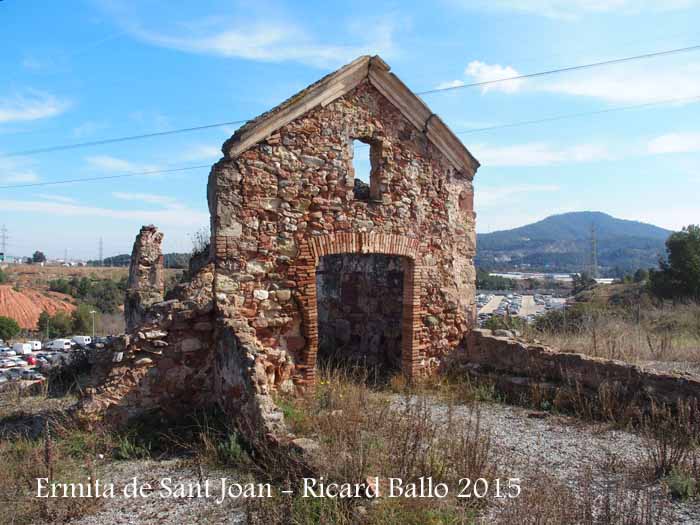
526,441
154,509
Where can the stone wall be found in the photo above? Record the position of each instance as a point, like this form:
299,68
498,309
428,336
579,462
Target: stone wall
146,284
518,367
182,357
283,198
279,206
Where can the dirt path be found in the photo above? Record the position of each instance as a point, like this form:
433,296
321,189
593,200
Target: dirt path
525,441
164,510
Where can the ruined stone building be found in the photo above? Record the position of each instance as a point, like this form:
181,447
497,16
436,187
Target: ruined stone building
307,260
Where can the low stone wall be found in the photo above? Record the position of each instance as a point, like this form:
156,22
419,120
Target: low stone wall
517,366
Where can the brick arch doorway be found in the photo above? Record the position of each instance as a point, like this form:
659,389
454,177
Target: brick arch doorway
406,248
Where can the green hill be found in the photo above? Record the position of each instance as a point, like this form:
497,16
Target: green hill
562,243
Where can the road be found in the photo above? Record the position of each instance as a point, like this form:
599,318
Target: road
491,305
529,306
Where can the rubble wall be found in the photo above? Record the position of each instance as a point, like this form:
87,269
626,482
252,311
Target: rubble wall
518,365
282,204
146,284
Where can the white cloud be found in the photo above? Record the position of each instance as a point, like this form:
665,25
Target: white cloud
568,9
482,72
630,84
59,198
110,163
202,152
16,171
33,105
180,216
674,143
150,198
450,84
88,128
263,36
537,154
486,197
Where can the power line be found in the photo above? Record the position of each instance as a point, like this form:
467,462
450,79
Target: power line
106,177
577,115
463,132
63,147
564,69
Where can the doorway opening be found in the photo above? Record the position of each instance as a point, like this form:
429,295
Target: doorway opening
360,301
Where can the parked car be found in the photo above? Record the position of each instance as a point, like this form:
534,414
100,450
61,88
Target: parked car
13,374
32,375
7,352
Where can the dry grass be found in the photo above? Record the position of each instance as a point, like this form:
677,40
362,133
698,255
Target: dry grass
668,333
362,435
547,501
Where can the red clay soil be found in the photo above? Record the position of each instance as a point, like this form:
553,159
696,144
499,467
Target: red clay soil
26,305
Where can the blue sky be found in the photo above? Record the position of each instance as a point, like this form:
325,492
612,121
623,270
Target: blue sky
81,70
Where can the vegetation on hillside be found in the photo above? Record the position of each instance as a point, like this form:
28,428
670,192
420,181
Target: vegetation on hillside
170,260
678,277
63,324
561,243
8,328
105,295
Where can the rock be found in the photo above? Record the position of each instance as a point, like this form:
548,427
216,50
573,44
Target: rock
283,295
503,333
190,344
261,295
431,320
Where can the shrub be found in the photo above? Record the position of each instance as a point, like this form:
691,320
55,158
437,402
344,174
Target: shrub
670,434
681,484
8,328
129,448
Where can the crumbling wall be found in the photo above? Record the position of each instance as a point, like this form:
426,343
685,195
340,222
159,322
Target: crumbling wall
281,199
278,205
146,284
519,367
182,357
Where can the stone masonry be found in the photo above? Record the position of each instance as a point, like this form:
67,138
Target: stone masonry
283,197
284,200
296,240
145,285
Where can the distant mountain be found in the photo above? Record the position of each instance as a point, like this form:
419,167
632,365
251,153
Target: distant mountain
562,243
